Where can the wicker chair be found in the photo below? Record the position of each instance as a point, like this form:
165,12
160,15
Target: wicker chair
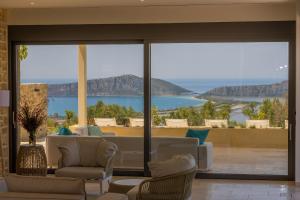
173,187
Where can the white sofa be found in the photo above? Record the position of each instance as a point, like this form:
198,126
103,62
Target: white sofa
131,150
14,187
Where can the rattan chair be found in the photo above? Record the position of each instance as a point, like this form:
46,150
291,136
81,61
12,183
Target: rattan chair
173,187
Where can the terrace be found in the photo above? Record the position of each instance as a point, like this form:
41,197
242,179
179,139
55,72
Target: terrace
235,150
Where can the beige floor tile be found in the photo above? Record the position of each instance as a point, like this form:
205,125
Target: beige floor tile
212,189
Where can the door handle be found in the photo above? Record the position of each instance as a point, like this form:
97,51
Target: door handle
290,132
14,119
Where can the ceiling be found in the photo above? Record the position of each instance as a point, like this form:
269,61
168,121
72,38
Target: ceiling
98,3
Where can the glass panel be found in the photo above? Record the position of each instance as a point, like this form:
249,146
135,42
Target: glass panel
115,99
114,96
236,91
47,77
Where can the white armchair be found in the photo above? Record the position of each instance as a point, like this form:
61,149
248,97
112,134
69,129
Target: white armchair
89,159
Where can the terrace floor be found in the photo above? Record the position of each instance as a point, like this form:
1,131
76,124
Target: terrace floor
232,160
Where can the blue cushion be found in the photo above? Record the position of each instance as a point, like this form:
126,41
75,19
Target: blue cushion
200,134
94,131
64,131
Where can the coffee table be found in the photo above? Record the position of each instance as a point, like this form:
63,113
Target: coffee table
123,185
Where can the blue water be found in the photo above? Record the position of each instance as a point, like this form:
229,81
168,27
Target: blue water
60,104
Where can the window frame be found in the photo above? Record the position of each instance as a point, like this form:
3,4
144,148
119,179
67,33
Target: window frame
283,31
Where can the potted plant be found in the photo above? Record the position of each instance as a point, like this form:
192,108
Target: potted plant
31,115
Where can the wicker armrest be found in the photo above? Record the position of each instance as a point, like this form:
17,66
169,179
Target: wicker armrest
173,187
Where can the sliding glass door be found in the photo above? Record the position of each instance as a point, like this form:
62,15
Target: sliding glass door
115,97
222,92
110,106
224,103
47,77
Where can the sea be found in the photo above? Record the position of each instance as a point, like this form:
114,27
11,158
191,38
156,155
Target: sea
57,105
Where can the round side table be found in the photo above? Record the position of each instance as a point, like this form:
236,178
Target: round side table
31,161
123,185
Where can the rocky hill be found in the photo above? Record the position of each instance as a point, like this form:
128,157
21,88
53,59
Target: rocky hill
114,86
271,90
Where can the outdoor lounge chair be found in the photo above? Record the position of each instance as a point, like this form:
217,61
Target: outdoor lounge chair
136,122
177,123
219,123
257,123
105,122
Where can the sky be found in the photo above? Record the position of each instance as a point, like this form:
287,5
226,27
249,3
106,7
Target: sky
264,60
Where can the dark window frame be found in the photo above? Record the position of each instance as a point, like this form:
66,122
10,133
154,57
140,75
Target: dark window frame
281,31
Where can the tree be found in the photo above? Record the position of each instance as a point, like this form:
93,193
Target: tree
266,110
70,118
121,113
23,52
224,112
280,110
191,114
273,110
208,110
251,111
156,119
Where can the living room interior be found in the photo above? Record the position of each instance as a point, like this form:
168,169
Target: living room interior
149,99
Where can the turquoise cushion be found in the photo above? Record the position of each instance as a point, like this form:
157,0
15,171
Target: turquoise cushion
200,134
94,131
64,131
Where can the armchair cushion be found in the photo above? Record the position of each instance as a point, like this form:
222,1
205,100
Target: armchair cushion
38,196
88,153
81,172
176,164
105,150
70,153
52,185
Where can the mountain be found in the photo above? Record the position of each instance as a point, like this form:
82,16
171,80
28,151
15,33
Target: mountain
271,90
115,86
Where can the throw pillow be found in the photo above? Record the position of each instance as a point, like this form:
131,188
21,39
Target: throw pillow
64,131
70,153
94,131
105,151
178,163
200,134
87,152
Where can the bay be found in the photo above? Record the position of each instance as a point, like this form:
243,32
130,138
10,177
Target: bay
60,104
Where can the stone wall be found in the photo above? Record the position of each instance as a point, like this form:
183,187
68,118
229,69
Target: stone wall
4,148
37,92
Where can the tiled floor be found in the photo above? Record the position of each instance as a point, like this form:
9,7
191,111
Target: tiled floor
234,190
234,160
